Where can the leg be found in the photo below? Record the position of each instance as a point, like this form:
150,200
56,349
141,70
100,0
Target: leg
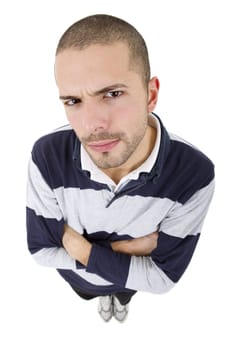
121,305
117,305
105,307
83,295
125,297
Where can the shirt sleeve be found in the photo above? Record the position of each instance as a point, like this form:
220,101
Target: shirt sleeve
45,223
180,232
178,236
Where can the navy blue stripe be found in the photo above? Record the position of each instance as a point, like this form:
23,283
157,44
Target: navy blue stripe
112,266
185,171
173,254
76,281
104,238
43,233
53,154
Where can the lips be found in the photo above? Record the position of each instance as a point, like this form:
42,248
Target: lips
103,146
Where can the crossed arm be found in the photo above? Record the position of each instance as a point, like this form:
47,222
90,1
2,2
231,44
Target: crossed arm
79,248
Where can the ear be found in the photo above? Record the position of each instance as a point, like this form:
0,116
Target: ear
153,91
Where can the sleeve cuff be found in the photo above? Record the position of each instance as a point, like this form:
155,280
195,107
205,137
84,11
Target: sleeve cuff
109,265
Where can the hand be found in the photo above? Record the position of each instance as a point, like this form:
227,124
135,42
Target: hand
76,245
142,246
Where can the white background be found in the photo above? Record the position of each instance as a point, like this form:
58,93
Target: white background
190,45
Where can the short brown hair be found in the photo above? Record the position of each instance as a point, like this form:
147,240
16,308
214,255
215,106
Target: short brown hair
106,30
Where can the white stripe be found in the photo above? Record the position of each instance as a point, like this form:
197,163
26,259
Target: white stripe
188,219
64,128
146,276
178,138
129,215
67,127
92,278
40,197
54,257
59,259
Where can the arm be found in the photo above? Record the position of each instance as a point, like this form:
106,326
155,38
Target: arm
45,223
79,248
142,246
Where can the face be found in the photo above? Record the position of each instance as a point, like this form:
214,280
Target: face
106,102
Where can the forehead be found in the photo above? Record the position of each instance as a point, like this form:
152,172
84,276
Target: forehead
93,57
94,63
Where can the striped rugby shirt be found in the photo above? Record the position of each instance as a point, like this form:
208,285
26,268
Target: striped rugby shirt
169,193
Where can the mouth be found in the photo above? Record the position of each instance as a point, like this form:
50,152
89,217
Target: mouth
103,146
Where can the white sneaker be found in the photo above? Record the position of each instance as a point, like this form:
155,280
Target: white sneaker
105,307
120,312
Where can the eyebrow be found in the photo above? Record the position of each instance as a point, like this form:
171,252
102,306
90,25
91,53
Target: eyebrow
96,93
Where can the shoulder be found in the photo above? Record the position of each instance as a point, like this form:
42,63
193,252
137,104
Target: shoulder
57,142
189,155
191,169
58,135
53,154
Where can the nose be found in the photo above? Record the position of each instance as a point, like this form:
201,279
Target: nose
94,118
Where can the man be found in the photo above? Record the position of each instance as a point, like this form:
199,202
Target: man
114,203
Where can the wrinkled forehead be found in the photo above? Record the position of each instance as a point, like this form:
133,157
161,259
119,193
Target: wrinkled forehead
97,64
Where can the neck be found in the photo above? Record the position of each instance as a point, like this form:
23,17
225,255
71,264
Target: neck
138,157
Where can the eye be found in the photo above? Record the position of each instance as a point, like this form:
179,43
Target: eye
114,94
72,102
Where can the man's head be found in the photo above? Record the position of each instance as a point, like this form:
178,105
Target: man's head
107,30
103,81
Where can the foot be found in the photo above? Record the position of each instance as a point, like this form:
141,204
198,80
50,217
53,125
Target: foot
120,312
105,307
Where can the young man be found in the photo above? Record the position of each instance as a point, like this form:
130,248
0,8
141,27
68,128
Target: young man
114,203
